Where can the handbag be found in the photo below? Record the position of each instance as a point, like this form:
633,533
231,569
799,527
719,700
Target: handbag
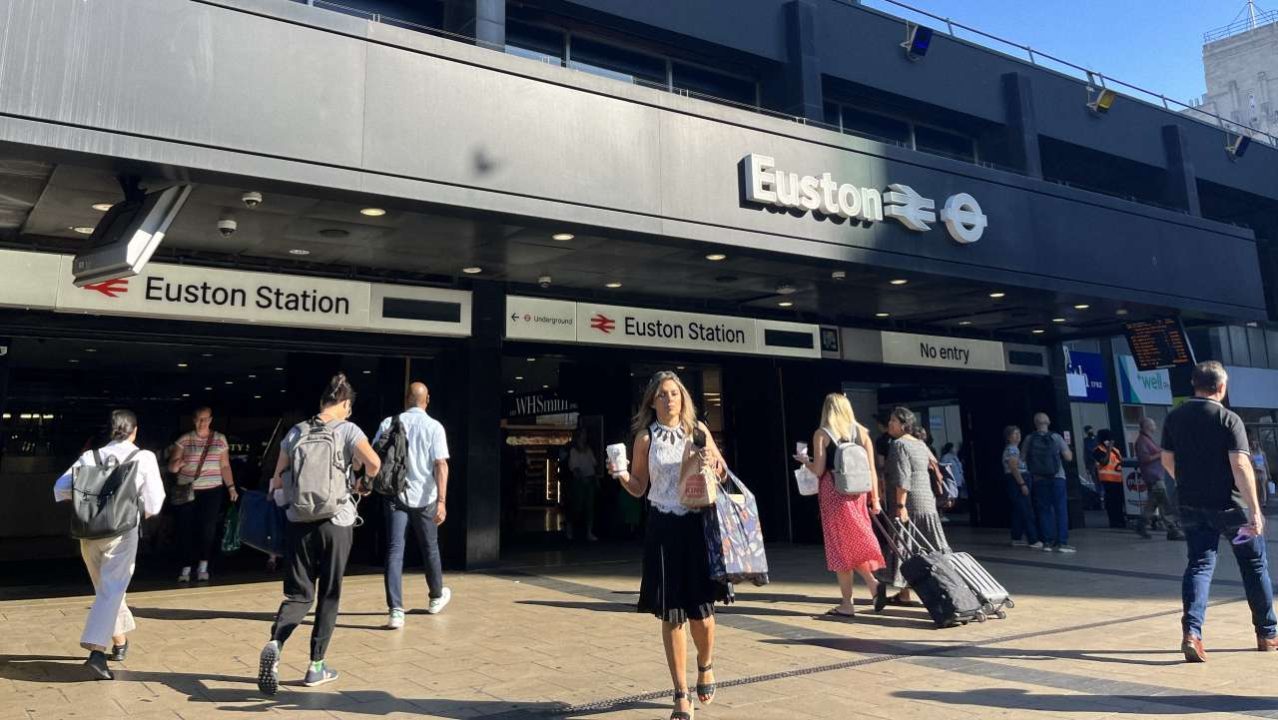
262,523
184,492
734,537
698,481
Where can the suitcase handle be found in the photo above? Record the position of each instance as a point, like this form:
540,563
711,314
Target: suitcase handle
900,534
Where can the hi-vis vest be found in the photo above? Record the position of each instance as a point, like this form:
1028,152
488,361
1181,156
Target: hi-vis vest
1112,471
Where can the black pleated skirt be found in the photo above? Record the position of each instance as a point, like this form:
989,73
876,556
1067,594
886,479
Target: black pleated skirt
676,584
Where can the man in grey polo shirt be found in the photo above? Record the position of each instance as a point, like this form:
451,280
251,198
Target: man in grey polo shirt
422,504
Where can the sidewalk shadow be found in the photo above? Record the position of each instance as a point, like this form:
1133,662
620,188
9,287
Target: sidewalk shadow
1019,699
186,614
581,605
974,652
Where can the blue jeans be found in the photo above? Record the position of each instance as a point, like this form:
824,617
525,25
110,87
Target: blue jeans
1022,512
1202,534
423,521
1052,506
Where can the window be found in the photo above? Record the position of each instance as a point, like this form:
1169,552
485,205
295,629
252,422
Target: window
1272,338
1259,353
1220,345
832,116
940,142
1238,344
875,127
716,85
531,41
617,63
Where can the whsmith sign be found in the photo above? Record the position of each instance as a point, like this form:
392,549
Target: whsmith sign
217,295
567,321
763,184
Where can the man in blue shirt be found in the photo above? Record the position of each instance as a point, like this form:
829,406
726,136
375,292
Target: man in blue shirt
421,504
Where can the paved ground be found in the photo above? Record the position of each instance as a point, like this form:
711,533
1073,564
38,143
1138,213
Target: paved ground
1093,635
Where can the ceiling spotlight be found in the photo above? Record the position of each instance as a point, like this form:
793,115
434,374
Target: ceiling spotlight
300,252
1058,320
90,350
279,368
1038,331
918,39
101,207
716,257
1121,311
839,275
510,392
186,394
898,281
785,304
206,354
368,372
965,323
613,285
82,229
519,377
882,315
1081,306
1100,100
472,270
998,295
181,365
229,382
73,361
208,387
532,359
372,212
681,367
562,237
786,289
257,397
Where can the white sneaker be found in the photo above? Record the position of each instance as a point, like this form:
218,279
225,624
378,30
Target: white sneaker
438,604
396,619
185,575
1019,543
1066,549
1046,548
202,576
1036,546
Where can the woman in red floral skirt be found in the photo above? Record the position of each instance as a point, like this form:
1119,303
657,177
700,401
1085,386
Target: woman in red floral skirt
850,543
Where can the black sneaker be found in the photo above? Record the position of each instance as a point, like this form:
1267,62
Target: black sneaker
268,669
97,663
315,678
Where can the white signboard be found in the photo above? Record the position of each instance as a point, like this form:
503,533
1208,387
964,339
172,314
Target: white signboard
203,294
30,279
943,352
541,319
596,324
1152,387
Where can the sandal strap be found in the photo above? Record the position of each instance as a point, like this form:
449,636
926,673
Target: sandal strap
707,668
681,694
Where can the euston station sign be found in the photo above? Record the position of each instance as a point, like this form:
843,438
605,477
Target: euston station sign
763,184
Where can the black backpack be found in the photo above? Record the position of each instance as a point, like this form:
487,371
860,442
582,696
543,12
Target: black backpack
392,448
1042,458
105,501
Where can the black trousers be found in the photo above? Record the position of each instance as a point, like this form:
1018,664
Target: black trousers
197,526
1115,504
315,559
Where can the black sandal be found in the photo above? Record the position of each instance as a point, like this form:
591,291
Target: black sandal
705,693
880,597
681,714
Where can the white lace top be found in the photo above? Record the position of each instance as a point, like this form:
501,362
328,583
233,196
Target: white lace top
665,456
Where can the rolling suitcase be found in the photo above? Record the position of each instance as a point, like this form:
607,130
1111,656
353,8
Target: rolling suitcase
990,592
934,575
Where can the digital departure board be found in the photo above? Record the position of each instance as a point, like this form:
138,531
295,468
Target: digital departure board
1158,344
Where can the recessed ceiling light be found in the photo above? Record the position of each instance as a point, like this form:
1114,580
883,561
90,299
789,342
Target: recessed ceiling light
898,281
229,382
90,350
681,367
279,368
545,387
998,295
101,207
372,212
882,315
73,360
716,257
206,354
283,391
839,275
1058,320
257,397
368,372
532,359
82,229
251,376
613,285
965,322
562,237
1038,331
186,394
1081,306
473,270
519,377
1121,311
208,387
785,303
181,365
300,252
1253,324
510,392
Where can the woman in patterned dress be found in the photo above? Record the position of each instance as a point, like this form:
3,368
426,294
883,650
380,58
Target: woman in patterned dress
850,543
676,584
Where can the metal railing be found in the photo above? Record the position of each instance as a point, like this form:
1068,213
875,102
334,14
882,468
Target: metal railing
1237,27
1091,77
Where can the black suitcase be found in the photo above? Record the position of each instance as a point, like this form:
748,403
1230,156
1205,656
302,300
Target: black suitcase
935,576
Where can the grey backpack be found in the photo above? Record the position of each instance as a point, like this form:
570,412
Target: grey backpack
851,466
316,485
104,497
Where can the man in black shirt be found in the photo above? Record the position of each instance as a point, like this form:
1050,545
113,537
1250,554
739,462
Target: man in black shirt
1205,449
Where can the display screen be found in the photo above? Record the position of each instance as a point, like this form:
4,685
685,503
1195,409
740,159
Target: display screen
1158,344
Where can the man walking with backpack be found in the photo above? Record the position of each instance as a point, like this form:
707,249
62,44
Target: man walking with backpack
109,486
414,447
1045,455
313,481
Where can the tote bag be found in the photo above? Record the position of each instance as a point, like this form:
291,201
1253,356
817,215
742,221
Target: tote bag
734,537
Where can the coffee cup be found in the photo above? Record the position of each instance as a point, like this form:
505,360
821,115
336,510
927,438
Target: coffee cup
801,449
617,461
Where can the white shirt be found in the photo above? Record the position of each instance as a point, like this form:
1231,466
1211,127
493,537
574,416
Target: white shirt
150,484
427,445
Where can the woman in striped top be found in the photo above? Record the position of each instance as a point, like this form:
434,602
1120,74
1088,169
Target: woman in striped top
201,460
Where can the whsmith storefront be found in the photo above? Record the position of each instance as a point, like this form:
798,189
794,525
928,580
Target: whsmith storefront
533,242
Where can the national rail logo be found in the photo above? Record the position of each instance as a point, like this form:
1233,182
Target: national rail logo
603,323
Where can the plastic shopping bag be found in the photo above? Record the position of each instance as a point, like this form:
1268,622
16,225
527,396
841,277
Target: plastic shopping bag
734,537
809,484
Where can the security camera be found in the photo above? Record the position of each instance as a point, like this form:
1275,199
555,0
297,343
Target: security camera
227,227
251,199
544,281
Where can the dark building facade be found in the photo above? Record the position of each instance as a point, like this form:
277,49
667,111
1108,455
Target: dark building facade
534,205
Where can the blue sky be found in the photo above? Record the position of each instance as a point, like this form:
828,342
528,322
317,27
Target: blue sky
1154,44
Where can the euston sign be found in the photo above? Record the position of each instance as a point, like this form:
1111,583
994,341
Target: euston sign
763,184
